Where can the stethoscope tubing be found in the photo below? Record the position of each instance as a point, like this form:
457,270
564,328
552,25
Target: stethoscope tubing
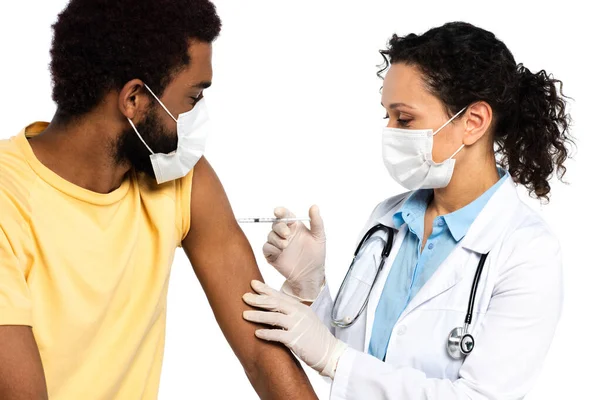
385,254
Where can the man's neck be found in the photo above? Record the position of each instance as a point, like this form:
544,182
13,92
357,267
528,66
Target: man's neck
81,152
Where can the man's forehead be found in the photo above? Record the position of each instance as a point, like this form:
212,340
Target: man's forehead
198,73
200,62
200,52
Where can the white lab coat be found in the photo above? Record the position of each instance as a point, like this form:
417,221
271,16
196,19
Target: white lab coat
518,304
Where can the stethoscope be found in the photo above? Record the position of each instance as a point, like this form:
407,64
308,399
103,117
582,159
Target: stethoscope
460,341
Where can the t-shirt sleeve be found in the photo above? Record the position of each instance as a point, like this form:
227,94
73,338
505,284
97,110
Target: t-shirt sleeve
184,203
15,301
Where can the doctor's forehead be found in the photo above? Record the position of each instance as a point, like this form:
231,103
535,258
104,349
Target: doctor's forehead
404,85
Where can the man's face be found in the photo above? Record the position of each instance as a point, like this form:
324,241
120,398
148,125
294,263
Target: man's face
158,129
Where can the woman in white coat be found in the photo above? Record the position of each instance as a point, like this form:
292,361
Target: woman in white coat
466,124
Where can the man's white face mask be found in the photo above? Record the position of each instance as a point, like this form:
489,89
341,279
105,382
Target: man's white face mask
192,133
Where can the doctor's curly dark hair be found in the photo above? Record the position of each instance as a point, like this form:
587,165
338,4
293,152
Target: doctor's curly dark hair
463,64
99,45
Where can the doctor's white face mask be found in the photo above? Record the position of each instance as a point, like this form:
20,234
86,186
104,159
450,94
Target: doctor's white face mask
407,155
192,132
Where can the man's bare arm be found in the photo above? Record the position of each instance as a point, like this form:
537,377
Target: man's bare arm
21,371
224,264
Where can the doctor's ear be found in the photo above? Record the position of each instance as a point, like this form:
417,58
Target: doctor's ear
133,99
477,120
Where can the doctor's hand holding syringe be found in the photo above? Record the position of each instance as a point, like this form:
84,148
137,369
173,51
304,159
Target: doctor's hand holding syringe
298,253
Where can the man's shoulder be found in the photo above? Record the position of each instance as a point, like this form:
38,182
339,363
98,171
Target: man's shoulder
16,177
9,149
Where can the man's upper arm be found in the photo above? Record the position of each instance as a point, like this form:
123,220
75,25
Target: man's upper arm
218,250
224,263
21,372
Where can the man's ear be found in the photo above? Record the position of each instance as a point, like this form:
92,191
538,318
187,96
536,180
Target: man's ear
133,100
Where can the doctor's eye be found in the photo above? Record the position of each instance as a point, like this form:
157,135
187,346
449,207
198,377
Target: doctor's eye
403,122
387,116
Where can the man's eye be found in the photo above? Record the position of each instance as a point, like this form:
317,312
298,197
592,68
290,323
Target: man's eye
197,98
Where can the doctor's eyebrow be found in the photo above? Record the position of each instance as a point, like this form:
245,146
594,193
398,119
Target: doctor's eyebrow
396,105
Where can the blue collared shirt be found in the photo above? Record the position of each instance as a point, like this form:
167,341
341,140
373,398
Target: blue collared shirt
412,268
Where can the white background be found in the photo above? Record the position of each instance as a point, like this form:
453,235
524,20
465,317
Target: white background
295,105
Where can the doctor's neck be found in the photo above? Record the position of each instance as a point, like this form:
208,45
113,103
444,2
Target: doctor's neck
473,175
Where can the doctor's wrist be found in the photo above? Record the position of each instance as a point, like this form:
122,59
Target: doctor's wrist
334,358
307,292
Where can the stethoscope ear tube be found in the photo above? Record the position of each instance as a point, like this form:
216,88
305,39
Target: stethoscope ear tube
348,321
469,315
460,341
370,232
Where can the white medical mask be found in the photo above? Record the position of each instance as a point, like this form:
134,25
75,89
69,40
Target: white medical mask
192,132
407,157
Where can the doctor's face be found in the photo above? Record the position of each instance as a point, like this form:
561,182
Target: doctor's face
410,105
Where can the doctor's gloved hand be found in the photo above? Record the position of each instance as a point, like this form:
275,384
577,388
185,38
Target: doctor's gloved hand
296,326
298,253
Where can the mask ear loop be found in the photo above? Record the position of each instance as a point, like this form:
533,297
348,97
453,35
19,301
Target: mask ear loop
161,103
163,106
456,152
447,122
450,120
140,136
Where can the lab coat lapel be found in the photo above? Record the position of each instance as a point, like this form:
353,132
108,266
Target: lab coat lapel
494,219
483,233
448,274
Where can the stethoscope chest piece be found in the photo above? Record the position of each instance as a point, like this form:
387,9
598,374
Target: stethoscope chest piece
459,343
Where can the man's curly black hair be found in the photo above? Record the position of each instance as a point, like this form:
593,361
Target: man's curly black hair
100,45
463,64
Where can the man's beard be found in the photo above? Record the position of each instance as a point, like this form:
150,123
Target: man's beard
130,150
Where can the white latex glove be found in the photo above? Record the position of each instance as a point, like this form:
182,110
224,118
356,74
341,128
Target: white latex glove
298,327
298,254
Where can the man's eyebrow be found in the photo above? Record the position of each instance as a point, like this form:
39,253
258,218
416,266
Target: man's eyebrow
202,85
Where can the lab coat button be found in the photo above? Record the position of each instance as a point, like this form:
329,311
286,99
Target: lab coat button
401,329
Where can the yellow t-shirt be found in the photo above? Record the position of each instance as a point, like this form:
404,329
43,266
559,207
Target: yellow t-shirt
89,273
